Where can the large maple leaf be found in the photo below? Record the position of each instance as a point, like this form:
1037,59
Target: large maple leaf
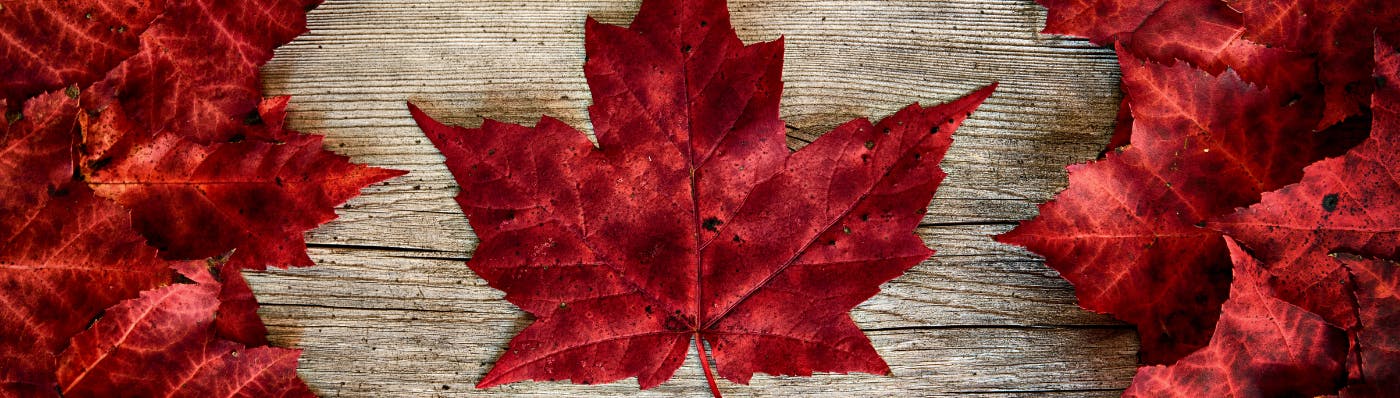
1262,347
1126,232
691,219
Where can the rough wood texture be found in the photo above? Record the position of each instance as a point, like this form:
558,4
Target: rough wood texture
392,311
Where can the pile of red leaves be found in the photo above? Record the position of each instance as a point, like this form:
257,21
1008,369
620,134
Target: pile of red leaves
1259,143
691,221
136,155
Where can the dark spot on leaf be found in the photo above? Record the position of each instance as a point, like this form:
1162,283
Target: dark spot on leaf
1329,202
253,119
870,145
99,164
237,138
685,48
711,223
71,92
490,152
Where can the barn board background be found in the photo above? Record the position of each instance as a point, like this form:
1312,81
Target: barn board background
390,309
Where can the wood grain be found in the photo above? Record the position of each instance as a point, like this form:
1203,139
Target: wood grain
390,309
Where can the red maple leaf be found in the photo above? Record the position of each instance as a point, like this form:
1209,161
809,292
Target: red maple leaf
691,219
185,147
1126,231
168,331
65,254
262,195
1262,347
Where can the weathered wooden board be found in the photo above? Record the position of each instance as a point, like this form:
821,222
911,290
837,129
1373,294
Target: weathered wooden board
390,309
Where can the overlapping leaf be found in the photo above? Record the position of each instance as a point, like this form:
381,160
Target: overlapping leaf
1342,204
195,73
169,332
264,195
1338,33
1262,347
54,44
1377,296
690,219
1205,33
163,115
1126,232
1345,204
65,254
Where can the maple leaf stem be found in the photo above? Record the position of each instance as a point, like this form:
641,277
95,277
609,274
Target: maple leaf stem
705,364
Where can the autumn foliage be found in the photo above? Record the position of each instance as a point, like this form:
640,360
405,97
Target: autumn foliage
142,171
1250,190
